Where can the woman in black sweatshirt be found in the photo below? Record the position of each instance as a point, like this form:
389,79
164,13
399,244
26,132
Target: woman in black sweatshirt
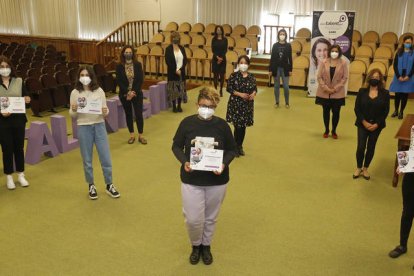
203,191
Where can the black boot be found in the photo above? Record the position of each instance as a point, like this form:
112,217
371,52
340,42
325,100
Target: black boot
395,114
179,109
195,255
401,115
206,254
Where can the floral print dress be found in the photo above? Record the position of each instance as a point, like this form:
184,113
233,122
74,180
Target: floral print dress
239,111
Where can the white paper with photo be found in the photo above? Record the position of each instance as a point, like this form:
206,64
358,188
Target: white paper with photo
405,161
89,105
206,159
12,105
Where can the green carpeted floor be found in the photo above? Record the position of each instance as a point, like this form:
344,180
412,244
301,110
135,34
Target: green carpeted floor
292,207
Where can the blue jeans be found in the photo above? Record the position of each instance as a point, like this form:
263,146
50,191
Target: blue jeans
281,73
95,134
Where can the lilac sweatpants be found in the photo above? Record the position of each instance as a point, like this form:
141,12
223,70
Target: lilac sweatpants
201,206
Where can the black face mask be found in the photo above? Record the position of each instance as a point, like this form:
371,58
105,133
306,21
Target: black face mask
374,82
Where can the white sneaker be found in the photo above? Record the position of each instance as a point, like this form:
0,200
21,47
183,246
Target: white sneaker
20,178
10,183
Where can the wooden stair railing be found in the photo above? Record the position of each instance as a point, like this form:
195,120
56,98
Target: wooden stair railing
134,33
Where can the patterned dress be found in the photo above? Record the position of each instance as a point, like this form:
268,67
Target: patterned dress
239,111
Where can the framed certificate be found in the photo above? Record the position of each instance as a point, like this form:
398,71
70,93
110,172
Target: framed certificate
89,105
12,105
206,159
405,161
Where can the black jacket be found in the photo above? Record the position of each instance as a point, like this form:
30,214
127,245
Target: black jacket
372,111
172,65
122,79
281,57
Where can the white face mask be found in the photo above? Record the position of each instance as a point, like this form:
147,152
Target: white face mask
243,67
5,72
282,37
85,80
205,112
334,55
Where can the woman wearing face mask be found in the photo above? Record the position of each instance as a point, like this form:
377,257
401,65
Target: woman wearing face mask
91,130
203,191
219,46
12,126
371,108
281,66
130,77
403,81
240,109
332,77
176,60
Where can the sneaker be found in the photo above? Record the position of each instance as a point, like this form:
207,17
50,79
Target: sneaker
206,255
398,251
92,192
22,180
10,183
287,106
195,254
110,190
277,105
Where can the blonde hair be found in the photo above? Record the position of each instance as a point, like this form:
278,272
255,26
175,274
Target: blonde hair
174,35
210,94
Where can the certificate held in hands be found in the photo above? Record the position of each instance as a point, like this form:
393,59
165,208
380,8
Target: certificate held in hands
12,105
89,105
205,159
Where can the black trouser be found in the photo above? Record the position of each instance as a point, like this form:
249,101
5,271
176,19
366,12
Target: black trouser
335,116
408,208
400,97
366,141
239,133
134,104
12,145
219,77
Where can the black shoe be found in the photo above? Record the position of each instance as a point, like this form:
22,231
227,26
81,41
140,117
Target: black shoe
398,251
179,109
110,190
206,254
174,109
241,151
92,192
395,114
195,255
401,115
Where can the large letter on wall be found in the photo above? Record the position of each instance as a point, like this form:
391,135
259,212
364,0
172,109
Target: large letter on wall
40,142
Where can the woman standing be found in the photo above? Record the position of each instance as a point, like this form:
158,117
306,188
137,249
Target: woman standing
371,108
332,77
176,60
281,66
219,46
403,81
12,126
407,215
91,130
130,77
240,109
203,191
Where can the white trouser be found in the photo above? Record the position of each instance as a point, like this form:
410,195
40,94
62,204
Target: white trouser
201,206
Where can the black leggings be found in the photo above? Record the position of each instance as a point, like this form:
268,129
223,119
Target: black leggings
335,116
366,141
218,77
400,97
408,208
135,104
12,145
239,133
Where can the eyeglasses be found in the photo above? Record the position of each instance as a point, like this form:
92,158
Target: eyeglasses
208,106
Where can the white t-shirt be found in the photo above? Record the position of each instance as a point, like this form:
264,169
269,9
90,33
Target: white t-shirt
178,59
87,119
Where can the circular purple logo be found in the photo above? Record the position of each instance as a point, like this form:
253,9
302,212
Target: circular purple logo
343,42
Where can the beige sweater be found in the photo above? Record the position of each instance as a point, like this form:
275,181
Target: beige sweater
88,119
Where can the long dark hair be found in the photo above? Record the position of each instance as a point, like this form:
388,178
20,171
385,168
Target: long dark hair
8,61
122,57
215,31
94,83
282,31
381,80
401,49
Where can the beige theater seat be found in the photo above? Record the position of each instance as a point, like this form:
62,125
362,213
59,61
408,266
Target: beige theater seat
357,72
299,72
